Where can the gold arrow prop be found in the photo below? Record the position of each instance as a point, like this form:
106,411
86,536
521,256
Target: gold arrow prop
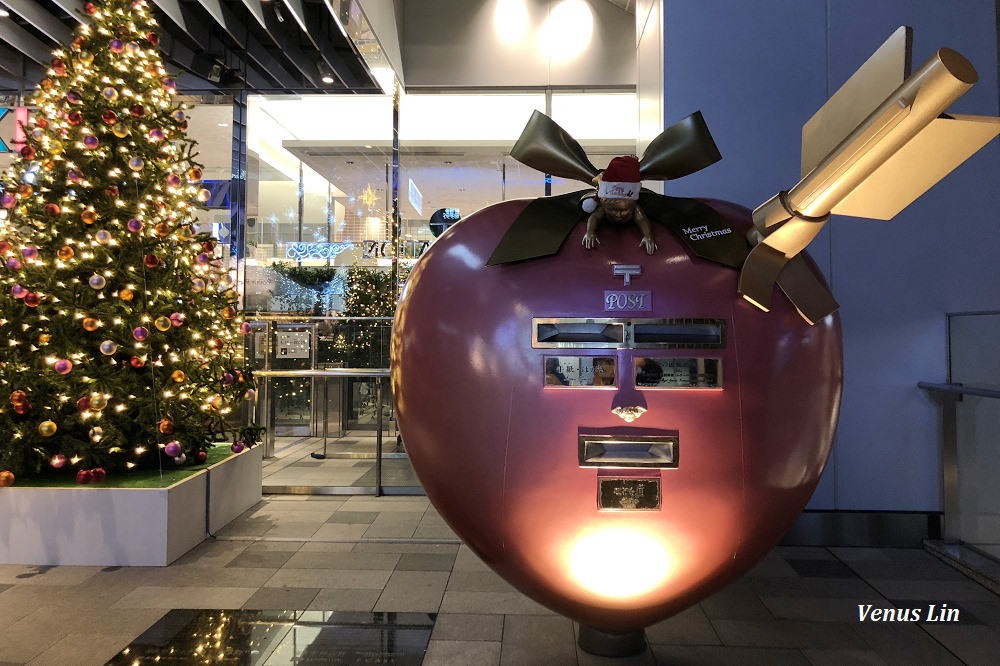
871,166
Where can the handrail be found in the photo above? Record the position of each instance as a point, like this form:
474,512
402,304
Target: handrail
332,372
296,318
960,389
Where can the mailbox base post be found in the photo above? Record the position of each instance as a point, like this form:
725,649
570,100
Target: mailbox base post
603,644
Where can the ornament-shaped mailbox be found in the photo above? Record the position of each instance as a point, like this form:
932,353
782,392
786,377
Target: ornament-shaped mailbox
619,434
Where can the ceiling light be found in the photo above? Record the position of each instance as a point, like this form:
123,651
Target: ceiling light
325,73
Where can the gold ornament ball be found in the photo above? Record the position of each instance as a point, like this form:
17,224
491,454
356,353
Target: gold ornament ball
47,428
162,323
6,479
24,190
177,376
98,402
232,296
44,338
65,253
162,229
120,131
185,233
56,146
126,294
88,216
86,57
90,324
229,312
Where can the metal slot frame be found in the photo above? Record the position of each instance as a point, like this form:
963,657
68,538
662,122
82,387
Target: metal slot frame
628,326
609,451
714,387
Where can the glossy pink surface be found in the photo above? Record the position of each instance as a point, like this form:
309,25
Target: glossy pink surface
497,450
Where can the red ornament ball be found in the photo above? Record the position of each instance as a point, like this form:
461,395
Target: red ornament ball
83,404
74,118
153,38
151,261
97,474
23,408
166,426
137,110
84,476
89,8
200,457
18,398
137,362
32,300
28,152
6,479
58,460
109,116
52,210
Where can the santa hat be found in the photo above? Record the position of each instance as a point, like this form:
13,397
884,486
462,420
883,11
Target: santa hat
619,181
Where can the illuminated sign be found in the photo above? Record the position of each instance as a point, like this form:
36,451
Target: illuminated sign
382,249
300,251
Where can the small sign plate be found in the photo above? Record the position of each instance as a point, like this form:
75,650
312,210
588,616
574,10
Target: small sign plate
622,494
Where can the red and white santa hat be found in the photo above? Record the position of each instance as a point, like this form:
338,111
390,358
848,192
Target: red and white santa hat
619,181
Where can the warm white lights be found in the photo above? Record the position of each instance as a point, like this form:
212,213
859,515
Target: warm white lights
511,21
567,31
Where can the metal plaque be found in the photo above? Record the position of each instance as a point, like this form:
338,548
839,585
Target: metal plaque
695,373
580,371
621,494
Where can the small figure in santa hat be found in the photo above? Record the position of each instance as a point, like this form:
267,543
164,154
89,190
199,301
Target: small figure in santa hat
617,202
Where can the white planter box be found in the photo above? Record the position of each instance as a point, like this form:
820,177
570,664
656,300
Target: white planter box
95,526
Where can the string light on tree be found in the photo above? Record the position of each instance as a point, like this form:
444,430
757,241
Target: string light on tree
109,295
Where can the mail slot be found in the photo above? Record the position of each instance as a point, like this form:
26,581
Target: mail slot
628,333
607,451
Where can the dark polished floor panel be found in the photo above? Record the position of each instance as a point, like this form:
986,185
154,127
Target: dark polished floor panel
277,638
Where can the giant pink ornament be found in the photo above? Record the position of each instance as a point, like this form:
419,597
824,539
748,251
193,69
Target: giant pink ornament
517,466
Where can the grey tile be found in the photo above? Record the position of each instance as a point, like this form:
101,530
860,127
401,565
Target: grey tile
397,547
328,578
713,656
904,643
509,603
343,560
212,552
689,627
819,588
413,591
478,581
738,601
946,591
804,553
820,610
425,562
252,527
399,526
821,568
293,530
844,658
469,561
275,546
45,575
645,658
468,627
353,517
973,644
186,597
537,640
788,634
341,531
282,598
261,559
462,653
86,649
332,599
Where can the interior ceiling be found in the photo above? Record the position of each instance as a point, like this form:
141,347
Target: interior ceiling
223,45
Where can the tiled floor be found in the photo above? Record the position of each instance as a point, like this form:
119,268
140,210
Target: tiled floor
395,554
348,462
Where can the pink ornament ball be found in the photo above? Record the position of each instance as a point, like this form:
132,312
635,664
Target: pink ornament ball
58,460
228,379
8,200
141,333
169,84
74,176
134,225
91,142
238,447
17,291
177,318
156,134
14,264
136,164
117,46
64,366
245,327
173,180
173,449
203,258
29,252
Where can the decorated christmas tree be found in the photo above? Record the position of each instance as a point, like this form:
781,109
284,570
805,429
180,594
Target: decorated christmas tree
121,342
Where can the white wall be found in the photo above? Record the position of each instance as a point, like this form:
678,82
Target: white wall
468,50
759,70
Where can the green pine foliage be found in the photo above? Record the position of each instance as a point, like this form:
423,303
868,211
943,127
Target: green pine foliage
118,323
369,293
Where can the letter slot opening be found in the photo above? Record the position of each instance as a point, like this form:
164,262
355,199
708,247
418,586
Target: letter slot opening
578,332
680,334
604,451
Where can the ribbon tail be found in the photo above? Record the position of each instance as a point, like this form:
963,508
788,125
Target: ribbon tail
540,229
699,226
807,292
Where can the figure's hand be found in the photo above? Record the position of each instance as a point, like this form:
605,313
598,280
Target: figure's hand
590,240
648,244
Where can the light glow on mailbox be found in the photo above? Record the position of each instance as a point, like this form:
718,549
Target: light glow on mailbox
619,562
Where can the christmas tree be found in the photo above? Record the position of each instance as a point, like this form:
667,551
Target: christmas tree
121,343
370,293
